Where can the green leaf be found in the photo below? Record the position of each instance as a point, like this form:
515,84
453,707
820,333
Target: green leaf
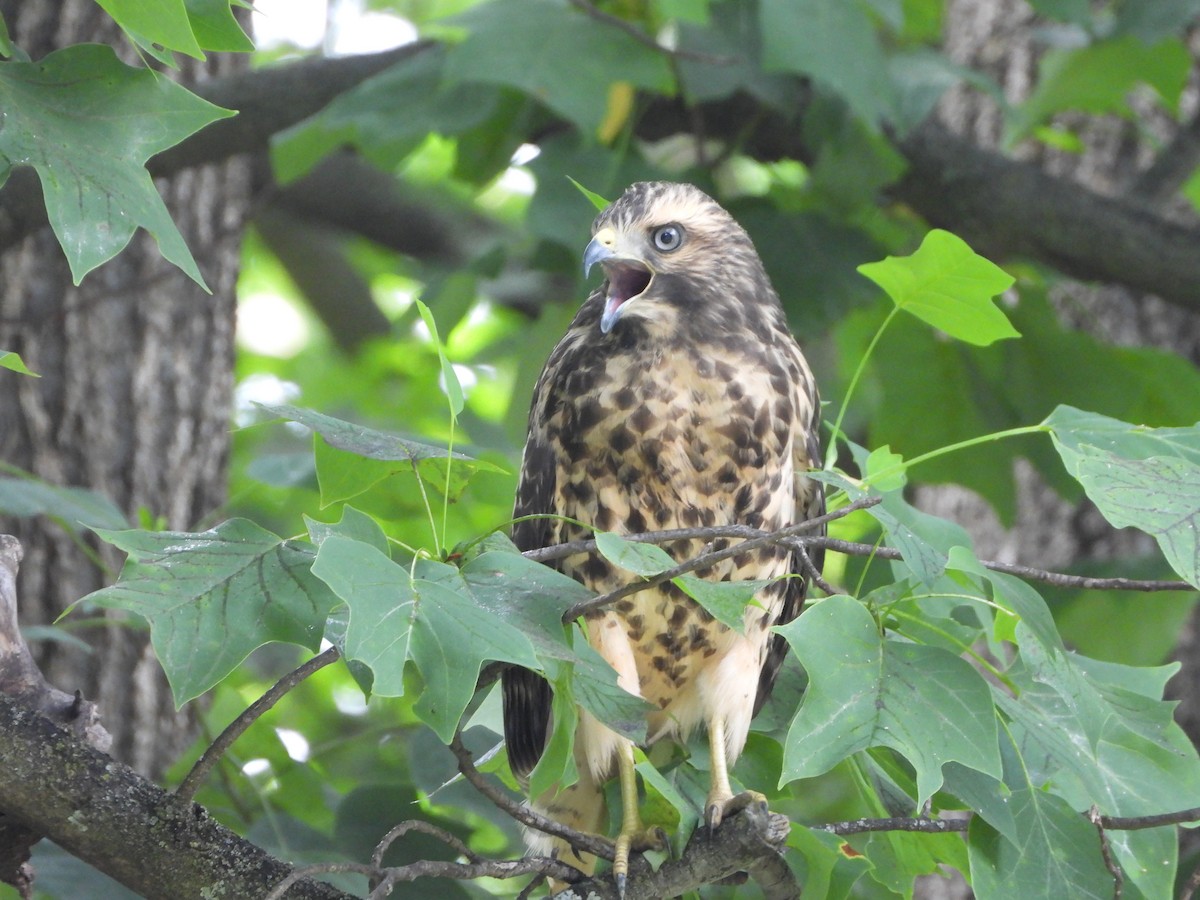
1058,855
533,597
817,37
216,28
165,23
864,691
427,615
386,116
213,597
353,524
557,55
1098,78
633,556
385,456
823,866
10,50
10,360
74,507
725,600
87,123
597,201
454,390
1075,430
1158,494
948,285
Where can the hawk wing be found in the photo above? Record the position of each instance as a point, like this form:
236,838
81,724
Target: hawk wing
527,695
810,503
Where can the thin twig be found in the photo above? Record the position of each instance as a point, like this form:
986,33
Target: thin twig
425,828
898,823
1105,851
209,758
646,40
794,537
708,559
939,826
431,868
1058,579
1137,823
590,843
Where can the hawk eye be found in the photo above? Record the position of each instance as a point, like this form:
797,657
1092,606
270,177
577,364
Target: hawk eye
668,237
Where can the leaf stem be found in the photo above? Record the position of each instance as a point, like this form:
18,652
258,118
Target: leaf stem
831,458
951,448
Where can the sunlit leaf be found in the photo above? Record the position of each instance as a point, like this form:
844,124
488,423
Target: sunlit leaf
213,597
596,200
10,360
87,123
948,285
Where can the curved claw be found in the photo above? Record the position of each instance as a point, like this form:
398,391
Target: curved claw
721,808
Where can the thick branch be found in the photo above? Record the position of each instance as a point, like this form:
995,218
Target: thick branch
750,841
106,814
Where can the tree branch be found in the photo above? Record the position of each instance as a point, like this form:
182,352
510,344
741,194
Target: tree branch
109,816
589,843
795,537
783,536
235,729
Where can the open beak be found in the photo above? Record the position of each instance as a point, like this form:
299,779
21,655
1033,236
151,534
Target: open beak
628,277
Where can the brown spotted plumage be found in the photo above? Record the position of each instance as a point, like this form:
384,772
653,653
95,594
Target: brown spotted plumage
677,398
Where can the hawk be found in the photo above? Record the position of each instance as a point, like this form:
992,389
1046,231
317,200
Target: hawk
677,398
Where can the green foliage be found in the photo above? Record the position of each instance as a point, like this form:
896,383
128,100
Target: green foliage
574,64
13,361
946,284
932,679
213,597
91,167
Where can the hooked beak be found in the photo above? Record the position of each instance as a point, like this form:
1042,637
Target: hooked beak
628,277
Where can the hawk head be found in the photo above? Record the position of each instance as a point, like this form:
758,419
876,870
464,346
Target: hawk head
672,255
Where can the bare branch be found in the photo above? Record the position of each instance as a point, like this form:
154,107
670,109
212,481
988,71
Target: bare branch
1093,816
794,537
430,868
707,559
589,843
960,823
209,758
1058,579
897,823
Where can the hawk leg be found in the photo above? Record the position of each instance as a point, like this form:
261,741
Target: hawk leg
633,836
722,802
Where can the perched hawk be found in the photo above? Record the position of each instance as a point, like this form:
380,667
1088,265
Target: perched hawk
677,398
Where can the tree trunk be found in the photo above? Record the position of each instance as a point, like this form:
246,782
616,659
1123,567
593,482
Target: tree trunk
133,402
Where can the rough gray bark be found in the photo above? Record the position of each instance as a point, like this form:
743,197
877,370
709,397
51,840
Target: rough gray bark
106,814
134,401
